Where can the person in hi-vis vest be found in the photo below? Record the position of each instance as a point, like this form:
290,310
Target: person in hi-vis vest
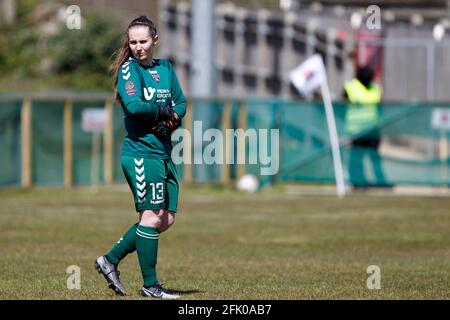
361,119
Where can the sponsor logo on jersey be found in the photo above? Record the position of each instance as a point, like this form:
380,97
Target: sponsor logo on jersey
149,92
155,75
130,88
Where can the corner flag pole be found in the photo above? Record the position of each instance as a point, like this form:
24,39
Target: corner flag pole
307,77
335,151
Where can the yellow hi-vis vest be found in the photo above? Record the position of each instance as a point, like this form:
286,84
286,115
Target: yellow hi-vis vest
362,114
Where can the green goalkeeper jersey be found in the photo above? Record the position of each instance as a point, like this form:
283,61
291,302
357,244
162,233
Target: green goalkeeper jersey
142,89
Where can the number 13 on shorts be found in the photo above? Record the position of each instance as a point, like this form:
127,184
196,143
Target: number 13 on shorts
153,182
156,192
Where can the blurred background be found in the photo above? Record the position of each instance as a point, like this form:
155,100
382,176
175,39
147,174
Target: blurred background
233,60
64,198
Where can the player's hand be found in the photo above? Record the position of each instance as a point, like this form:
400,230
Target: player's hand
165,113
167,122
161,129
175,121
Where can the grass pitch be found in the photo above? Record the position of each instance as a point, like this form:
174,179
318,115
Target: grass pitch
228,245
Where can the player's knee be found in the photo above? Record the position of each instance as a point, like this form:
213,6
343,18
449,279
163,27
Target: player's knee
154,222
168,219
151,218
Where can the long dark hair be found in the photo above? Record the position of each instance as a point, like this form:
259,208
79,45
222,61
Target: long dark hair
124,53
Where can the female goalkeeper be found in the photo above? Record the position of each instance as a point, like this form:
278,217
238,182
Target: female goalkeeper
153,105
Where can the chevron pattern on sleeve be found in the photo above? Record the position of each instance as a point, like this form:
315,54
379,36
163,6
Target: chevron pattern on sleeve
126,71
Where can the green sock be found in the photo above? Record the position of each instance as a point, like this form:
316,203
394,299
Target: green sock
147,251
124,246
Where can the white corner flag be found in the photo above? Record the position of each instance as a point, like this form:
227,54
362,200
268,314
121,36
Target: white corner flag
307,77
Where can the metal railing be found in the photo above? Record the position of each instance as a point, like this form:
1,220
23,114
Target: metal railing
256,50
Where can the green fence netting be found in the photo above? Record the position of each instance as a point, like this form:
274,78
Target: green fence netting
88,148
47,143
411,150
10,137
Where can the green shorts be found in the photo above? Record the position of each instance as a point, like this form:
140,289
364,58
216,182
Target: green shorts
153,182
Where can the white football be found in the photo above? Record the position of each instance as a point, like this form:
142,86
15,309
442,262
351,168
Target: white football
248,183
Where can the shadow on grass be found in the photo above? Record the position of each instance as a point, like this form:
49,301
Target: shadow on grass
185,292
